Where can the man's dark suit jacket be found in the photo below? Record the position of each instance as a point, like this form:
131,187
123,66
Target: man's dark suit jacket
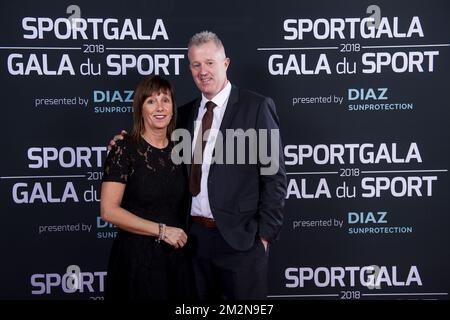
244,203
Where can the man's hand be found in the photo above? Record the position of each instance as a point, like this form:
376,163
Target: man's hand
265,243
118,137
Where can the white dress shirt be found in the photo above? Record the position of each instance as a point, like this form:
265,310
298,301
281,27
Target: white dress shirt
200,203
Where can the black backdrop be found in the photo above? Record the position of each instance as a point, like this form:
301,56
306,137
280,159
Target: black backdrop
390,225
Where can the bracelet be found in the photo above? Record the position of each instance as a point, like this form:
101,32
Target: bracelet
162,232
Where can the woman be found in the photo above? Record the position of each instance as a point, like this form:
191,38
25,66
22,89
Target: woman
145,195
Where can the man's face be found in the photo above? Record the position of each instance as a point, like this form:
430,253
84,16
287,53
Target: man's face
209,68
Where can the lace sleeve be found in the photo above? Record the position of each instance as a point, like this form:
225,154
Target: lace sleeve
117,164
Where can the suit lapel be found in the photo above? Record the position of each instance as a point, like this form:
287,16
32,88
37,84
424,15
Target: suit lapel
190,124
232,107
230,112
193,116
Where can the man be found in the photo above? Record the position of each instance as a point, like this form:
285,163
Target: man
236,211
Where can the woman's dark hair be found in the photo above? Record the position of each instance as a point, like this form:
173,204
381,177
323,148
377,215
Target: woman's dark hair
148,86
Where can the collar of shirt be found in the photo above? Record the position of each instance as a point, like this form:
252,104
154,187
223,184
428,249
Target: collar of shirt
220,99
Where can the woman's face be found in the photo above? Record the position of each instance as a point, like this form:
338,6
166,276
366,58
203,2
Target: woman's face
157,111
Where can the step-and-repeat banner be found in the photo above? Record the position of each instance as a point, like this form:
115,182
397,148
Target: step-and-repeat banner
362,92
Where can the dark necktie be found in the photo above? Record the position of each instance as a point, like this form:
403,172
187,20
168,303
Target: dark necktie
196,168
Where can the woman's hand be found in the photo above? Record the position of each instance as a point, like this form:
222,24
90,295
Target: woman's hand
176,237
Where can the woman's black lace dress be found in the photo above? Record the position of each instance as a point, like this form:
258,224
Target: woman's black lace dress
156,189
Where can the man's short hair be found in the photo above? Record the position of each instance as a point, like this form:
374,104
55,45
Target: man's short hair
205,37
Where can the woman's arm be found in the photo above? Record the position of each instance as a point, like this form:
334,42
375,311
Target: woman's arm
111,211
